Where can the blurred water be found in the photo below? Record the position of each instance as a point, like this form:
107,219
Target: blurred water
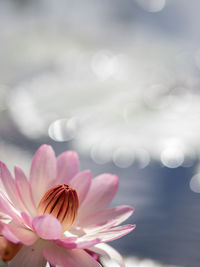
119,82
166,213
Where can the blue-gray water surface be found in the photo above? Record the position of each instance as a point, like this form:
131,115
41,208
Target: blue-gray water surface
166,213
166,210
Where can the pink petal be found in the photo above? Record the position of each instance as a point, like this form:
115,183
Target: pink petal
113,216
47,227
67,166
22,234
27,219
101,193
9,185
81,182
4,217
43,172
76,243
24,191
113,233
9,235
108,252
29,256
65,258
7,208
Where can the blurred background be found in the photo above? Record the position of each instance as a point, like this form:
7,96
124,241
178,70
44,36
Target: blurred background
118,81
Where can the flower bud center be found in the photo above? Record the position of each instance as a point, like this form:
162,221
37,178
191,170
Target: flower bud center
62,202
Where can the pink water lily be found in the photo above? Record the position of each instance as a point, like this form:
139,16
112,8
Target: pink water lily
59,215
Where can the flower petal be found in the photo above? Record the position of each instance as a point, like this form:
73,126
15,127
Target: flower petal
112,233
29,256
97,235
67,166
4,218
81,183
9,235
113,216
76,243
7,208
24,235
9,185
43,172
106,235
24,191
65,258
27,219
108,252
47,227
101,193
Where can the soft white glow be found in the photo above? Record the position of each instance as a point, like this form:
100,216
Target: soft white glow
143,158
101,154
136,91
63,129
152,5
24,111
123,157
157,96
172,157
195,183
104,65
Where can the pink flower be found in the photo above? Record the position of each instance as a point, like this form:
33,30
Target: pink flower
59,215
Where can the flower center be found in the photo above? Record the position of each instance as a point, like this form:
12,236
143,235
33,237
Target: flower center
62,202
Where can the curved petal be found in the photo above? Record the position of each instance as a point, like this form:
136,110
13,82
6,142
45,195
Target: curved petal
27,219
24,190
47,227
8,209
65,258
9,235
109,234
9,185
101,193
43,172
29,256
108,252
77,243
113,216
67,166
4,218
81,182
22,234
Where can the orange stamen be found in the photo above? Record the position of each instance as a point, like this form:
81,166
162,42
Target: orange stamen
62,202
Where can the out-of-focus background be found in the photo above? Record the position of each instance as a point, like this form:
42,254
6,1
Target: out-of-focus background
118,81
